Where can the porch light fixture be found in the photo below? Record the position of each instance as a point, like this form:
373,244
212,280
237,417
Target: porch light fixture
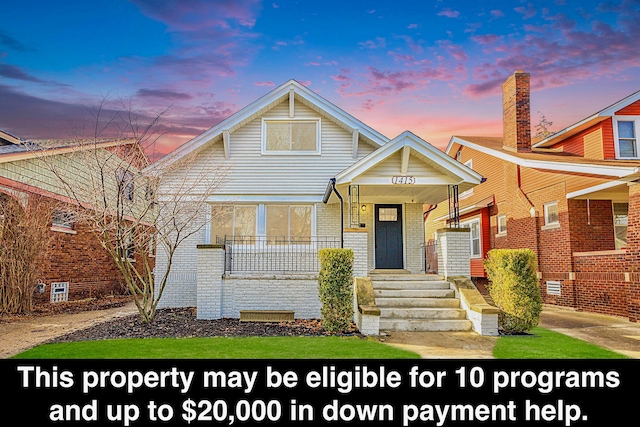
363,208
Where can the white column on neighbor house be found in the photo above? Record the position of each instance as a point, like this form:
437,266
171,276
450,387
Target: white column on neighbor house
209,282
454,252
356,239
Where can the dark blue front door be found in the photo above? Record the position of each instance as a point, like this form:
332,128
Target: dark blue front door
388,236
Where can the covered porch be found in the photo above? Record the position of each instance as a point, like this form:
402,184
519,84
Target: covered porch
382,199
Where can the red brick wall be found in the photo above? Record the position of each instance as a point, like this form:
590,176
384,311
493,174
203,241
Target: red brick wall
633,252
601,283
591,225
516,112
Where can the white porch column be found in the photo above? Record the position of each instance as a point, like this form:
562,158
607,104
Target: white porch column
209,282
356,239
454,252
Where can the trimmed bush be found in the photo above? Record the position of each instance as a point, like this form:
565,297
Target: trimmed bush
514,288
335,288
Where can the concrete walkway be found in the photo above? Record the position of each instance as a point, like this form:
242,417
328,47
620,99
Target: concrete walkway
613,333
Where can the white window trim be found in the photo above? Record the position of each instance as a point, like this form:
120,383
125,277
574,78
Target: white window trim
550,225
316,152
636,120
467,224
501,232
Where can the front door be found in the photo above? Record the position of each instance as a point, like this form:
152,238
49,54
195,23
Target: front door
388,236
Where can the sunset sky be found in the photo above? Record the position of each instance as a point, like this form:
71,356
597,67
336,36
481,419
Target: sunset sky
432,67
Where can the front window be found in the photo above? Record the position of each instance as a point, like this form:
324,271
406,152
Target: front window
237,222
627,138
296,136
474,236
620,221
288,223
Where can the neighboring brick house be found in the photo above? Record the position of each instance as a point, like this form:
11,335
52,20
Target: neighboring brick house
573,198
74,255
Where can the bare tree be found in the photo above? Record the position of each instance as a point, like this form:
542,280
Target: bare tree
112,187
543,127
24,236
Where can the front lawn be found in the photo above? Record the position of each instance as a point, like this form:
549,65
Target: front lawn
331,347
543,343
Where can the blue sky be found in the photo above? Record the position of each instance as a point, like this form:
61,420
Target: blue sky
432,67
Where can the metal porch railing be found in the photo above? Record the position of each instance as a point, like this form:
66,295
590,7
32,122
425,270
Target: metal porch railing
275,254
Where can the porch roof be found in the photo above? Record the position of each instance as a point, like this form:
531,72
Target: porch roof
407,169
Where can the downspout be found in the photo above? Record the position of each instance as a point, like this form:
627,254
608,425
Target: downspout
332,188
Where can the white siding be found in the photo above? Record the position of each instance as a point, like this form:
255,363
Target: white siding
252,173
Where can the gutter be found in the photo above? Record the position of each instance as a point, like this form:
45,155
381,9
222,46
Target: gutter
331,188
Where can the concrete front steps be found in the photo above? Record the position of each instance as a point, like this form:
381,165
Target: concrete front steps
417,302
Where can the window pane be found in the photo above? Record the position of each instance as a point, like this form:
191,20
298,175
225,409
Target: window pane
300,222
244,221
277,223
626,130
551,213
502,224
388,214
475,247
475,229
221,222
303,136
620,222
278,136
627,147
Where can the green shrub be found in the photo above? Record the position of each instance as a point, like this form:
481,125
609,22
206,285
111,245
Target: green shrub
335,287
514,288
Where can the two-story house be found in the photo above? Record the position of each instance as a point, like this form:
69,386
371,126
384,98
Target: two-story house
572,198
300,174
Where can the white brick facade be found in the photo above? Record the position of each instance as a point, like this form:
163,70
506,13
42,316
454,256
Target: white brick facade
454,252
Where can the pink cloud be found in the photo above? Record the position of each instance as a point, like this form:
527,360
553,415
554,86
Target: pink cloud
267,84
486,39
496,13
572,55
193,15
528,12
449,13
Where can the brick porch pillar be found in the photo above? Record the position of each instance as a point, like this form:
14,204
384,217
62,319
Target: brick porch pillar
357,239
454,252
209,284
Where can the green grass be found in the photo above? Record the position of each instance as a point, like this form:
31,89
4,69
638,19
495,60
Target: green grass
543,343
221,348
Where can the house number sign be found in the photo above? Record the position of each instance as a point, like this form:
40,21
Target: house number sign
403,179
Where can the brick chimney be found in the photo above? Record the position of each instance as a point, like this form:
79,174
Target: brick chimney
516,112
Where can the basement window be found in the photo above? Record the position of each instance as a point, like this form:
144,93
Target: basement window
59,291
63,221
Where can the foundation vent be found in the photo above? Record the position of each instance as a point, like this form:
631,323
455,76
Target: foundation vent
266,315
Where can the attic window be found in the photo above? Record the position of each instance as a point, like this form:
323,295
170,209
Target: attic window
291,136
